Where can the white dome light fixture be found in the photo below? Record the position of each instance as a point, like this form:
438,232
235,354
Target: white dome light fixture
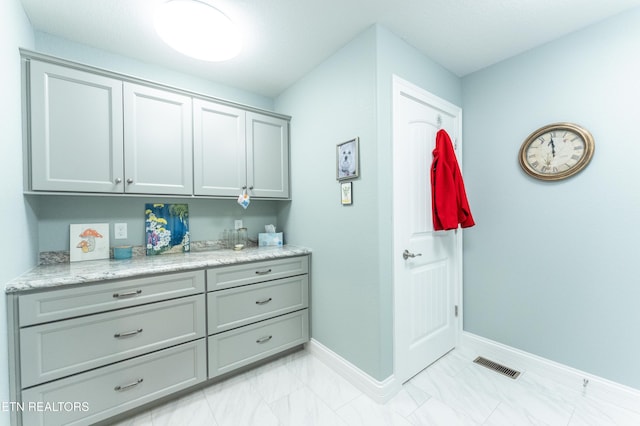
198,30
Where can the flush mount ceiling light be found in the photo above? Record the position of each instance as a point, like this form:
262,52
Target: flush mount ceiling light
198,30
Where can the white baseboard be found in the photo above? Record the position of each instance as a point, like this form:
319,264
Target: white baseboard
383,391
379,391
597,387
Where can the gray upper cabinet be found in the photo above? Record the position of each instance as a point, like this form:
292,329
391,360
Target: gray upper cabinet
76,130
219,150
158,142
267,156
236,149
91,133
94,131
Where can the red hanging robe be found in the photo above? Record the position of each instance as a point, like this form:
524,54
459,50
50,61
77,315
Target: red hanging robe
449,199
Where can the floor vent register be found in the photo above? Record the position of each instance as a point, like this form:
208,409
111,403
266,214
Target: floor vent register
509,372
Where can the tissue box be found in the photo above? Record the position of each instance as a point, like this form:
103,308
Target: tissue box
270,239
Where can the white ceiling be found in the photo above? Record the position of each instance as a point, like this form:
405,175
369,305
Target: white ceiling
285,39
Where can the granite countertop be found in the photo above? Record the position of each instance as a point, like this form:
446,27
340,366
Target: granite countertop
68,274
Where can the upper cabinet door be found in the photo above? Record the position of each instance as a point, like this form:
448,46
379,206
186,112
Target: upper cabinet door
219,154
267,156
158,141
76,130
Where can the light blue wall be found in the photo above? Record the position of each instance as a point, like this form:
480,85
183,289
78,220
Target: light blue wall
19,230
207,218
332,104
346,96
550,268
395,56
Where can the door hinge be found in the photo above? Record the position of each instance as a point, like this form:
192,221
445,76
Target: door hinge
455,310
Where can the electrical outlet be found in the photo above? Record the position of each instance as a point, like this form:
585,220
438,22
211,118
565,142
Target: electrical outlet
238,224
120,231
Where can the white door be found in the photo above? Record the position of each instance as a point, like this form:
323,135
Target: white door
426,279
158,143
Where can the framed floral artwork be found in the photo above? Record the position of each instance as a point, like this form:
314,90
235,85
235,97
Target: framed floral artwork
167,228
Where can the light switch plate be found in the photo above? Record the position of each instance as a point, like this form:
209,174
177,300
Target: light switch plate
238,224
120,231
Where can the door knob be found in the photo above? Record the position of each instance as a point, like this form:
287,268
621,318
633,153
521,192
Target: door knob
406,255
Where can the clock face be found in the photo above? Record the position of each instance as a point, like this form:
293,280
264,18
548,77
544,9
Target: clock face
556,151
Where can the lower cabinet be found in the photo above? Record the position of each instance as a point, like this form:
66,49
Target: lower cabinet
59,349
256,310
245,345
82,355
99,394
235,307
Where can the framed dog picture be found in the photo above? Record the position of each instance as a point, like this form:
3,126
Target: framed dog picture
348,160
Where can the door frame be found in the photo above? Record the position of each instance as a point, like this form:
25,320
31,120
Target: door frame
399,87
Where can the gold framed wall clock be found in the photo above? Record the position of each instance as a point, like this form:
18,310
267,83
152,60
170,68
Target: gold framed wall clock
556,151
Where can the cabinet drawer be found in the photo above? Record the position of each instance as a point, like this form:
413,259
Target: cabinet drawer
249,273
235,307
242,346
54,305
107,391
54,350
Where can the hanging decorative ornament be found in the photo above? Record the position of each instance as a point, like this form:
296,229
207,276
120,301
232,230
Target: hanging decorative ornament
243,199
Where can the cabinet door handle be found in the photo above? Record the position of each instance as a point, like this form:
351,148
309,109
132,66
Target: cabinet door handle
263,301
251,188
127,333
264,339
263,272
125,295
118,180
129,181
129,386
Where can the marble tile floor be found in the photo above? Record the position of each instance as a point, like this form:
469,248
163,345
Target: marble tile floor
300,390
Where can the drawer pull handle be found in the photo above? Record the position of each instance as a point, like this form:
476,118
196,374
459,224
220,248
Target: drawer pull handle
124,295
263,301
263,272
129,386
264,339
128,333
